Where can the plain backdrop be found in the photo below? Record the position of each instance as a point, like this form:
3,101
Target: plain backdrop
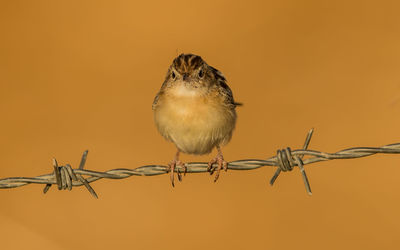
77,75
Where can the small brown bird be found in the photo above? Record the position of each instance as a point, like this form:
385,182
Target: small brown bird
195,110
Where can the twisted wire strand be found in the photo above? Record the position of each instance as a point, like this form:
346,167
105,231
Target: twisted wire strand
65,177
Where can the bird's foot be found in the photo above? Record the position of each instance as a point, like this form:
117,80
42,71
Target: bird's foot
174,165
222,164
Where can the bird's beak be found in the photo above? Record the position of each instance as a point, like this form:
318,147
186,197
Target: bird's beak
185,76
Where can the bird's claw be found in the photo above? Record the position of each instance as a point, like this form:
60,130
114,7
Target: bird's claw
171,168
221,164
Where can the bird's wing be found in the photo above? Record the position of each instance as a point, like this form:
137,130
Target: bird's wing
221,80
155,101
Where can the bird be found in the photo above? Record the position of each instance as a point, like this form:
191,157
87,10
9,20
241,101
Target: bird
195,110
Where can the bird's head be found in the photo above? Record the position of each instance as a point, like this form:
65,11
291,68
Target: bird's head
189,69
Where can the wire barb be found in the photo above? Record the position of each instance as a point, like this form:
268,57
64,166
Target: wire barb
286,162
65,177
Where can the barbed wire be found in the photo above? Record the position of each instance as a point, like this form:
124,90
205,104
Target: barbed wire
65,177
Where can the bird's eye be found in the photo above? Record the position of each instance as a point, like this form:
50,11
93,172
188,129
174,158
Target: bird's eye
201,73
173,75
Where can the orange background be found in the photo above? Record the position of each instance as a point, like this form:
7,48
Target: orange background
78,75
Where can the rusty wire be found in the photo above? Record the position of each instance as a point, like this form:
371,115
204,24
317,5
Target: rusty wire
65,177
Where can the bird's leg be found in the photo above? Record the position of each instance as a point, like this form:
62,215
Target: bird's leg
172,166
222,164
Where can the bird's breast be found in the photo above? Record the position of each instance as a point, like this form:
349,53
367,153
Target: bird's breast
193,121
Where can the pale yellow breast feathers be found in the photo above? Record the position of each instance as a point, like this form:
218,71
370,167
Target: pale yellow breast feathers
193,120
